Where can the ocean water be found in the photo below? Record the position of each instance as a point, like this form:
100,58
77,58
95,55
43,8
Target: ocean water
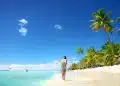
21,78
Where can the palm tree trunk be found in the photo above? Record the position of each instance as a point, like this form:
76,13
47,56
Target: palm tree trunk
109,40
107,35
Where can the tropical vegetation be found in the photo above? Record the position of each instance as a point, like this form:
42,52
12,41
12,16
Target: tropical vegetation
109,54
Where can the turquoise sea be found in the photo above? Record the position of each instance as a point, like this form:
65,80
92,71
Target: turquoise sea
21,78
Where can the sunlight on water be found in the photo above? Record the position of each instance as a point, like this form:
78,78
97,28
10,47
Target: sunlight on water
31,78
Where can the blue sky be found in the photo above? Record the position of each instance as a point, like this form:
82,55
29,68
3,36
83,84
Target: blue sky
43,41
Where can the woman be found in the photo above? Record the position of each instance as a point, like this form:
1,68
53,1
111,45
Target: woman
64,65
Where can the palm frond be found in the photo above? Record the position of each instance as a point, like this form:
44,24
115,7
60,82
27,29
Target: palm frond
92,20
95,26
118,20
108,27
118,31
80,50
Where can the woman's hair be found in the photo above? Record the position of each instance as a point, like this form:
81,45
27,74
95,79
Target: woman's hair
65,57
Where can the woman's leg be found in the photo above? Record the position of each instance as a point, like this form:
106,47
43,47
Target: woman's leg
64,74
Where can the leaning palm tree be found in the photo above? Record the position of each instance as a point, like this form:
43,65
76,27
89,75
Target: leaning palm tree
101,19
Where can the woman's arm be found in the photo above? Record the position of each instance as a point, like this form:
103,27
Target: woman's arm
66,61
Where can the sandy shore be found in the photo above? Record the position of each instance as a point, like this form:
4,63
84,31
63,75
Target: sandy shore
102,76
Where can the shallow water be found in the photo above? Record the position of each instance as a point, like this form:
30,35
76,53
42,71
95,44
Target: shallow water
21,78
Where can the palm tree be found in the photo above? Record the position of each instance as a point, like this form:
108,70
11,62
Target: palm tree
80,50
111,56
73,66
83,63
91,57
101,19
99,58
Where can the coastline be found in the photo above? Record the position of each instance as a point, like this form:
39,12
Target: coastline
101,76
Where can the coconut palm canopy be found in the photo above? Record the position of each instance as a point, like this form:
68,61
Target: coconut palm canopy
109,54
101,19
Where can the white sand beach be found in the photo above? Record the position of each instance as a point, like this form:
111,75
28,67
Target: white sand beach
102,76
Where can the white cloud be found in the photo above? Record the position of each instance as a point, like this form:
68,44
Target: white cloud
23,21
23,31
73,58
57,26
